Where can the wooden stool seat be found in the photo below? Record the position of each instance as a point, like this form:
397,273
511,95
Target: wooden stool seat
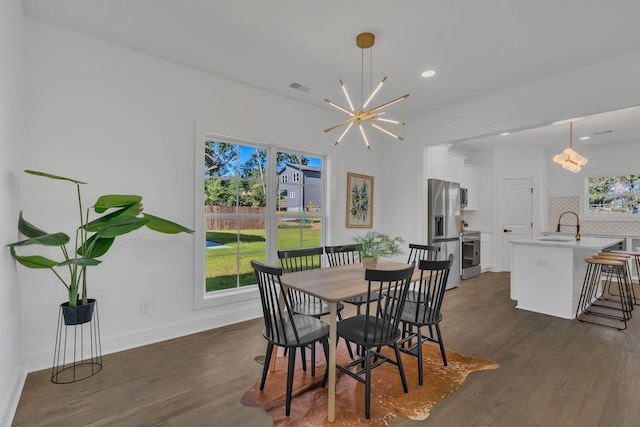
623,256
632,253
616,311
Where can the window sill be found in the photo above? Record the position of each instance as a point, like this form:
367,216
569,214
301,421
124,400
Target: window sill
232,296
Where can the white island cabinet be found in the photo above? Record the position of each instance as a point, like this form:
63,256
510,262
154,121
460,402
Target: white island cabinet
547,272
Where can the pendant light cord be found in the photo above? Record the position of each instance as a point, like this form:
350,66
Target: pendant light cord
571,135
362,83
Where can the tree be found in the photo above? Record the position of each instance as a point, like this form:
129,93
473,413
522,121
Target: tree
219,157
221,192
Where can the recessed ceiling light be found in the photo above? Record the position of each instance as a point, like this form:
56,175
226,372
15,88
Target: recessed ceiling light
582,138
504,134
428,73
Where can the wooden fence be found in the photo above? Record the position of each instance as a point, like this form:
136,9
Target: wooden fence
232,224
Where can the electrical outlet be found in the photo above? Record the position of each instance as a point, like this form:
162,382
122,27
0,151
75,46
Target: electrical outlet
145,306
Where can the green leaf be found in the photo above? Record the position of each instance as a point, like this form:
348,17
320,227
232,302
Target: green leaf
34,261
115,201
29,229
100,247
121,225
97,224
55,239
48,175
165,226
81,262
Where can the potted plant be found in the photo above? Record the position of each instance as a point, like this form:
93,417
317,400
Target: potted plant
122,214
374,245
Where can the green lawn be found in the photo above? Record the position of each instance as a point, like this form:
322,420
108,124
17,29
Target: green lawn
222,263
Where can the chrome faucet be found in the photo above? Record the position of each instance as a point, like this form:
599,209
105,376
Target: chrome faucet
577,223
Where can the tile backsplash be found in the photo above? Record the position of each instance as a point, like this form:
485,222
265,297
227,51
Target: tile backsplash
557,205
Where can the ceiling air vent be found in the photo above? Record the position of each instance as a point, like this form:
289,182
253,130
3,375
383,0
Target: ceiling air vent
603,132
299,86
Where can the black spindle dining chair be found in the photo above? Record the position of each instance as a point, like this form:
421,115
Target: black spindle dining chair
283,328
293,260
377,327
425,310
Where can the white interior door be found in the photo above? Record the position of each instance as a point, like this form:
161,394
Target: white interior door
516,216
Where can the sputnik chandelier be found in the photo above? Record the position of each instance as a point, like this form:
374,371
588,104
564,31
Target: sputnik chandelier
569,159
362,115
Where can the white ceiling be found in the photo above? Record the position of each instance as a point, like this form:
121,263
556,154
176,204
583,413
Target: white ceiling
477,47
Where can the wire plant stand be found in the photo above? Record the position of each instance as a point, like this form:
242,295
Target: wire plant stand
78,352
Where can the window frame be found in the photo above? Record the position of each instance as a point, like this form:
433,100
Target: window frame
203,299
603,217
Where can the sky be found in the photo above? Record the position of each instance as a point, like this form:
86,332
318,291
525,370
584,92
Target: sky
246,152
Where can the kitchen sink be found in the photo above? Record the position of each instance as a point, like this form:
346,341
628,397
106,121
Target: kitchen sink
556,239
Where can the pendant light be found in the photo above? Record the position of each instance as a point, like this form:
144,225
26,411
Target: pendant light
372,116
569,159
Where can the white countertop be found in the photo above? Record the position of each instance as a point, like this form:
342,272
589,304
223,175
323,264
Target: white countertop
586,242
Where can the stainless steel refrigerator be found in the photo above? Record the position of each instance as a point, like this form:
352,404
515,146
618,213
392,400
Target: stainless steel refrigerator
444,223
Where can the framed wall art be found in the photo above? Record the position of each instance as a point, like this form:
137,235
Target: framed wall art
359,201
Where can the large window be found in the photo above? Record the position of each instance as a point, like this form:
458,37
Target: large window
251,209
300,203
615,196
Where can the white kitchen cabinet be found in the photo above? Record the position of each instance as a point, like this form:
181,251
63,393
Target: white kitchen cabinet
455,167
470,182
436,161
486,251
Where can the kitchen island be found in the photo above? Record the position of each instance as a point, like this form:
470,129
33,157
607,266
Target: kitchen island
547,272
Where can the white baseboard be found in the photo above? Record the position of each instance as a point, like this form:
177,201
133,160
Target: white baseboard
8,409
38,361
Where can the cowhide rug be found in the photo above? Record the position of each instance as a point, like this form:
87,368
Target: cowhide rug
388,400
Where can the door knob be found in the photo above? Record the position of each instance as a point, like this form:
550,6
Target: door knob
506,230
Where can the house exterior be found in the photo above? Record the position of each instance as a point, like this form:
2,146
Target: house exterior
300,188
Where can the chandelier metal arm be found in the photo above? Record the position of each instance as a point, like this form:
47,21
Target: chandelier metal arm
386,131
395,122
339,107
346,95
364,136
348,121
386,104
343,133
373,93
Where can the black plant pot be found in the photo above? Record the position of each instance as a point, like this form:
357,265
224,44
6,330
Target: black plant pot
79,314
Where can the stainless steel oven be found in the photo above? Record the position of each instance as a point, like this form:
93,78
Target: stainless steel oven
470,253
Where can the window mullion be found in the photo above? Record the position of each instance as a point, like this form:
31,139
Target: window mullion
272,215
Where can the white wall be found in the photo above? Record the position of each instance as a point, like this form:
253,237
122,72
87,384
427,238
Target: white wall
11,136
596,88
615,159
124,122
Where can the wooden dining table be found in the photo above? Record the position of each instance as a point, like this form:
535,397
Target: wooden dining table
335,284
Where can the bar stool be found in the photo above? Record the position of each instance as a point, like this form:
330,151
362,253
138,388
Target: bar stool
624,257
591,295
636,261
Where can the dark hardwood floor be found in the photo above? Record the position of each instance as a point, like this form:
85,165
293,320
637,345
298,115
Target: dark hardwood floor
553,372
